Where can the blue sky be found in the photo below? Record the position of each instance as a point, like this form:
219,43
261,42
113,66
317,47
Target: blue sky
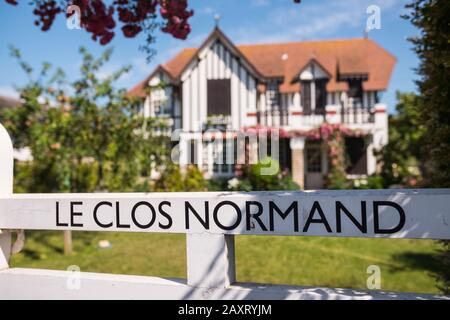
244,21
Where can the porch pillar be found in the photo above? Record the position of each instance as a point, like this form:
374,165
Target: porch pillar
297,145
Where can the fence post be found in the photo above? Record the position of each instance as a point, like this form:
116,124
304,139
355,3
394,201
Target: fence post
210,260
6,187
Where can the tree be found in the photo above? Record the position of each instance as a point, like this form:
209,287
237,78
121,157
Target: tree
401,159
431,17
136,16
84,136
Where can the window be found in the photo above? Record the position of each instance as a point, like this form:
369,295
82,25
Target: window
160,103
273,96
355,90
306,97
314,158
321,96
219,97
222,150
356,152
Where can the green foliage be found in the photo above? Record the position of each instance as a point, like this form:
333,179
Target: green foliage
431,17
84,136
371,182
174,179
336,178
401,158
217,184
255,179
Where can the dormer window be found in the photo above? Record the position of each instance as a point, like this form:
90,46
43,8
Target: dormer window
273,95
160,102
355,87
355,90
313,81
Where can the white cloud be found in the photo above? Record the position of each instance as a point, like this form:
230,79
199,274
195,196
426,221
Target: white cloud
313,20
260,3
207,10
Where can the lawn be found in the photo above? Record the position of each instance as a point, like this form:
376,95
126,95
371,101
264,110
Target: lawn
406,265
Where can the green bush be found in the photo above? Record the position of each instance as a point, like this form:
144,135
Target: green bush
174,179
371,182
255,179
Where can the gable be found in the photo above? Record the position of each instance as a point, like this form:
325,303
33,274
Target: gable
159,75
311,71
223,48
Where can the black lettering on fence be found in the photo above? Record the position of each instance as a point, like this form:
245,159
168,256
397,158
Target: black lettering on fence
73,214
204,222
118,224
273,207
238,215
255,215
133,215
323,219
361,226
59,224
165,214
97,221
260,216
376,218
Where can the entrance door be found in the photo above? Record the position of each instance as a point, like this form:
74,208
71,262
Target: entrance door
313,165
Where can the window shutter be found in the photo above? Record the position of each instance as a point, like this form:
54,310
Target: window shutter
219,97
321,95
306,97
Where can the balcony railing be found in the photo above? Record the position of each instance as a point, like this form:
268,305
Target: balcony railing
354,112
277,117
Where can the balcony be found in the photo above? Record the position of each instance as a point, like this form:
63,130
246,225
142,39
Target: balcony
217,122
273,118
353,114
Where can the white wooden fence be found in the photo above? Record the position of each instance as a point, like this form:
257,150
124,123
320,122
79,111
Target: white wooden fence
210,221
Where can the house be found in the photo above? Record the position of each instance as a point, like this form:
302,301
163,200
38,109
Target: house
295,87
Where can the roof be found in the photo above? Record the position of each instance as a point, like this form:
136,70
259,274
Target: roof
8,102
359,56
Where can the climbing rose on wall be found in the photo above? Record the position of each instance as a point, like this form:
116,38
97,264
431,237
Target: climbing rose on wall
333,136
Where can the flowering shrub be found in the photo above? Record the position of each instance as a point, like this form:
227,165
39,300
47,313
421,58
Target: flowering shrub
135,15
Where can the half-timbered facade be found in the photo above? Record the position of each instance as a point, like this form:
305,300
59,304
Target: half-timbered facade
295,87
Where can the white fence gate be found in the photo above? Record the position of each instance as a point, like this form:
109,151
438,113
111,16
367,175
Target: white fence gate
210,220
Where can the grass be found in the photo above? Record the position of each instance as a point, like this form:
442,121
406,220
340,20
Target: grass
406,265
